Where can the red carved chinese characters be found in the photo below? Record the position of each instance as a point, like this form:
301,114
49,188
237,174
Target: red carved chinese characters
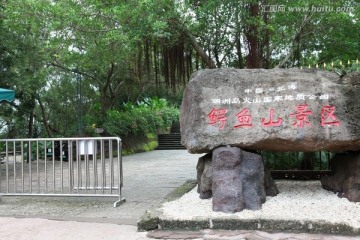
301,116
218,116
271,123
244,118
327,116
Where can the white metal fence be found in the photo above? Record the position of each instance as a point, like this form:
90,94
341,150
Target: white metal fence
62,167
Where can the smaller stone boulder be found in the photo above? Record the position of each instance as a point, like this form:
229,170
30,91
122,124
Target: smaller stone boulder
204,176
346,180
238,180
269,184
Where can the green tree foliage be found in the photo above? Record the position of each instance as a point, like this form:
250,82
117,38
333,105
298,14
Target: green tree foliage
151,115
124,51
316,32
24,67
297,160
270,33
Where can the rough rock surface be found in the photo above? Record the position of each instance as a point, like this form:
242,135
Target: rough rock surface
238,180
276,110
269,184
346,181
204,178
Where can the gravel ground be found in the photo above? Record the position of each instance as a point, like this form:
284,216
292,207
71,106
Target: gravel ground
298,200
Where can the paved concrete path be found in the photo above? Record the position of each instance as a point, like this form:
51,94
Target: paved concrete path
148,178
44,229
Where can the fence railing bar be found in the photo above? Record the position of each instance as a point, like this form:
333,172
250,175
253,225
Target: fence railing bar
103,177
57,195
29,159
14,154
45,163
37,166
97,171
120,184
78,162
70,167
94,166
7,167
97,188
61,167
53,165
111,165
120,172
22,166
86,170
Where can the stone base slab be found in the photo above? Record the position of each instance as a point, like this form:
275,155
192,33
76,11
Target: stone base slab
260,224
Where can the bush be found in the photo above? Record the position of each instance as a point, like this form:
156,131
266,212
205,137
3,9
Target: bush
297,160
151,115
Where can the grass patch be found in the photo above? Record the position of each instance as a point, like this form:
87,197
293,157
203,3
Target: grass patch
180,191
135,144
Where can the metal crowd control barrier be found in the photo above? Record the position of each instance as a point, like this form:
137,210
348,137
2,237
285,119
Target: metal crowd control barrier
90,167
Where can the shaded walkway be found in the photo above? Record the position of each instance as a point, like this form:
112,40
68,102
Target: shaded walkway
148,178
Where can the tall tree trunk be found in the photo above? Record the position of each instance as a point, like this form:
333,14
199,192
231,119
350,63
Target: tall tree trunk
189,66
217,58
238,45
44,118
30,129
240,63
147,57
181,63
297,52
105,101
254,59
139,61
197,64
199,50
166,66
31,119
296,41
172,59
156,66
267,39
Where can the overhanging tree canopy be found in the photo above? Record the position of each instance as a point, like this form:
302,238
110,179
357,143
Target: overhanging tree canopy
126,50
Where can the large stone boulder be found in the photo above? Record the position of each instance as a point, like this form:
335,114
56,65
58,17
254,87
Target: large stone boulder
276,110
237,180
346,180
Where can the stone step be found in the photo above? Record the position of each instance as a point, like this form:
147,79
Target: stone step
171,148
170,135
169,141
